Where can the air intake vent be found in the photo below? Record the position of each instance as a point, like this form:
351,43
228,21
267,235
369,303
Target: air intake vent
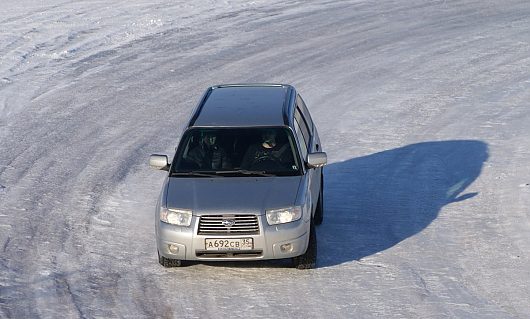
228,225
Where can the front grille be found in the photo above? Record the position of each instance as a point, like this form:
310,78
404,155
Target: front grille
228,224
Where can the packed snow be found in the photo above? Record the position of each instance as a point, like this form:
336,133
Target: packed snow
422,107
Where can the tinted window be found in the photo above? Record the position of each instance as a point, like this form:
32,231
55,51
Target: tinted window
301,139
305,112
303,126
230,151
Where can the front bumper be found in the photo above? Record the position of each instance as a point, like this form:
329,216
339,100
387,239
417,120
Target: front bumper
185,243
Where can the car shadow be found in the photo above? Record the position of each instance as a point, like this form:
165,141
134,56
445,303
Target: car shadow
376,201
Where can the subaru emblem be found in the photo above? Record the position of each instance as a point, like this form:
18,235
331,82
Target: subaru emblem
228,222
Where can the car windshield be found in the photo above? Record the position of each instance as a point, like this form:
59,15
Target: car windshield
206,152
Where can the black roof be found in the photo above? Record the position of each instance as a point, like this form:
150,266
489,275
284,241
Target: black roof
244,105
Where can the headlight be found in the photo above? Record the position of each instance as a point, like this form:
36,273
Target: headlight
179,217
284,215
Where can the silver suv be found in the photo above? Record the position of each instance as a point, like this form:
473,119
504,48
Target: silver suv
246,181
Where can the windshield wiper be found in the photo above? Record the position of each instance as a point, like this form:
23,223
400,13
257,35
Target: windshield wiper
245,172
195,174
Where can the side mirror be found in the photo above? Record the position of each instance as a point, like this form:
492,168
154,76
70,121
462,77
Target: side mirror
317,159
160,162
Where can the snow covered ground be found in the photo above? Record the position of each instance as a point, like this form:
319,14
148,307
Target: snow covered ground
423,108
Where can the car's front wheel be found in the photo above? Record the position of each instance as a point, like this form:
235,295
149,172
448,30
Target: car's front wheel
309,259
168,262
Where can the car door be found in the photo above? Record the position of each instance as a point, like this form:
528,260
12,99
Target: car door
305,129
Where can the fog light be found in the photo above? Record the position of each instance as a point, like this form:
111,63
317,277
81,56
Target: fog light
174,249
285,248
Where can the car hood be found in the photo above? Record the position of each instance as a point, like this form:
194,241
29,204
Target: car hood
232,195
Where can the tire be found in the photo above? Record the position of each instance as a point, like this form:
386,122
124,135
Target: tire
169,263
319,212
309,259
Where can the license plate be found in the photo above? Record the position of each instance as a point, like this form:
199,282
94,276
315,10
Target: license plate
229,244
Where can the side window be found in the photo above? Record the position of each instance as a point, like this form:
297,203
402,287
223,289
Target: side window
303,126
305,112
301,139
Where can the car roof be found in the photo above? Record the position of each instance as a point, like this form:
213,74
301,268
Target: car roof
244,105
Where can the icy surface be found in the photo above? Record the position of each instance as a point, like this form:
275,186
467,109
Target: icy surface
422,106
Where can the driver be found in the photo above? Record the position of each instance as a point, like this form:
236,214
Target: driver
208,155
267,153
